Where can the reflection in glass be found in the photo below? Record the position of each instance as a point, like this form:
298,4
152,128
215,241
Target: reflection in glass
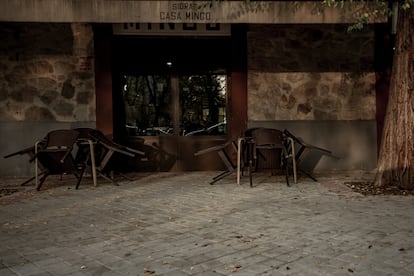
203,104
148,105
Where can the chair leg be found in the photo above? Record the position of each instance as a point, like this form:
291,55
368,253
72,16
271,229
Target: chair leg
108,178
41,181
220,176
31,179
80,177
250,172
28,181
285,166
287,176
309,175
126,177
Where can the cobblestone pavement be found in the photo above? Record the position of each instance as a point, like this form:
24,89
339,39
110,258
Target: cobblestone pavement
178,224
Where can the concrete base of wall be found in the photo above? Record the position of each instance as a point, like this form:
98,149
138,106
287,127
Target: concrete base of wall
15,136
355,142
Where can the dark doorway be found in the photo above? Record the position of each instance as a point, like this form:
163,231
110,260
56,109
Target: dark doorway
170,98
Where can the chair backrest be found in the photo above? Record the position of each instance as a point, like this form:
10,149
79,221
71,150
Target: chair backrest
105,150
110,145
84,132
99,136
267,137
83,152
56,154
61,138
248,132
269,147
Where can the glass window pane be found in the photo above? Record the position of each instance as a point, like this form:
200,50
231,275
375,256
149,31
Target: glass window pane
203,105
148,105
147,102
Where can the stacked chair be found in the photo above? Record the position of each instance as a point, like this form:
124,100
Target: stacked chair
265,149
105,152
54,153
73,151
307,156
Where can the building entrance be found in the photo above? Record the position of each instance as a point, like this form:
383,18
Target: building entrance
170,98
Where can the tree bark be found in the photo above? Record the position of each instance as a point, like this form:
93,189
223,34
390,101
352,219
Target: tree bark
396,157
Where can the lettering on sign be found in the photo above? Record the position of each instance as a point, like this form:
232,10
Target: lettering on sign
210,29
190,16
185,11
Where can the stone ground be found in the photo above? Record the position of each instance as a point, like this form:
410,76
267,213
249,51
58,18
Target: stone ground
178,224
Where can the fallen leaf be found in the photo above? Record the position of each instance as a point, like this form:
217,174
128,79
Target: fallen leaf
235,268
149,272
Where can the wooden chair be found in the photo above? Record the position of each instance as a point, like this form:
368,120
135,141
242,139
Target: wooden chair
267,151
223,152
105,151
85,155
54,154
307,156
30,151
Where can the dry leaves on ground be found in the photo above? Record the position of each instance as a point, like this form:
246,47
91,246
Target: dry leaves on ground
368,188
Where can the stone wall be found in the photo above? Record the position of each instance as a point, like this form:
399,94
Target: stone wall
310,72
46,82
46,72
319,83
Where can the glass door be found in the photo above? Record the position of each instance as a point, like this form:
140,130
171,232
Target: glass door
170,99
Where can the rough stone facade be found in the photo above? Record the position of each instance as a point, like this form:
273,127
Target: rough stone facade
46,72
310,72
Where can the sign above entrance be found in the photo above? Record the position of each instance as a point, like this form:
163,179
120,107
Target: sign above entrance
176,29
180,11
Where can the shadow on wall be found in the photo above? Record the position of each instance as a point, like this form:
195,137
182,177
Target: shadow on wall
354,142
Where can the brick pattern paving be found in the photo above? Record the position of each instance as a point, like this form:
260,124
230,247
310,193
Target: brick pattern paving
178,224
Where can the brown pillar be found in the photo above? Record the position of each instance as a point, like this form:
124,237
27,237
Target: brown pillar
238,104
238,97
103,81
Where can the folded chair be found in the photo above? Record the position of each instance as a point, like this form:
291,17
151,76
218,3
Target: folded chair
245,154
307,156
85,155
267,151
30,151
224,154
105,152
54,154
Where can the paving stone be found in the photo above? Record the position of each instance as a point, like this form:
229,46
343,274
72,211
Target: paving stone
7,272
61,268
27,269
178,224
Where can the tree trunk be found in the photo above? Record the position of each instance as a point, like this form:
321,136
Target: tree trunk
396,158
